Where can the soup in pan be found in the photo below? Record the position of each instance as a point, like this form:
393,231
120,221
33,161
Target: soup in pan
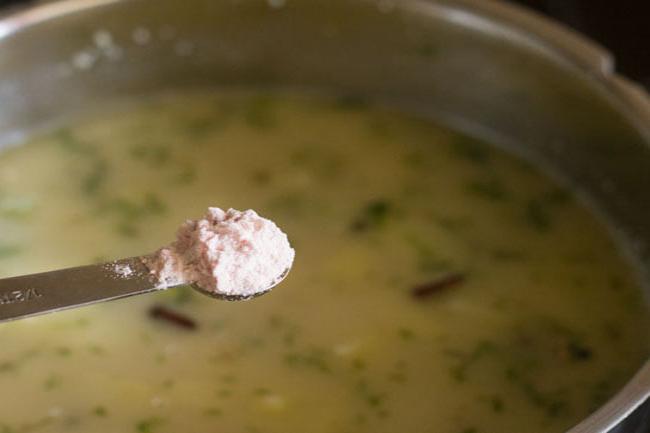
440,285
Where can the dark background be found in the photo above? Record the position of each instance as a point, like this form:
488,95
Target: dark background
622,26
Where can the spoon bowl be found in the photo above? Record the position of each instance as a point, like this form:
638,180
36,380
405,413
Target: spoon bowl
233,297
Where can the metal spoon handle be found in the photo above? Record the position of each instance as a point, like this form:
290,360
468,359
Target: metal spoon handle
29,295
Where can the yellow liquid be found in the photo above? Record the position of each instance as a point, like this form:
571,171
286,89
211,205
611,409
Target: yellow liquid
545,323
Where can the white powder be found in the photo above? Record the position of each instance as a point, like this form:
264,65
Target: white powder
230,253
123,271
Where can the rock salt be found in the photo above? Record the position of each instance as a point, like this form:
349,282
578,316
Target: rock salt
226,252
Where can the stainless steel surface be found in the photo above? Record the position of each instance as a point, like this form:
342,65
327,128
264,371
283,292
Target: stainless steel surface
46,292
491,69
609,416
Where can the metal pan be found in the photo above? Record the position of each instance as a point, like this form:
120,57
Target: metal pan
492,69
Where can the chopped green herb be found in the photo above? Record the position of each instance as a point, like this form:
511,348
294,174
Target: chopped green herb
123,207
276,322
148,425
7,366
16,208
126,229
4,428
398,372
319,161
255,342
53,381
7,251
373,398
182,295
467,360
186,175
202,126
258,112
471,150
33,426
63,351
373,215
495,402
261,177
279,323
553,403
406,334
397,377
153,204
291,202
537,216
578,351
70,143
92,182
100,411
538,210
218,325
224,393
360,419
130,214
228,378
261,391
490,189
427,258
213,411
359,364
537,344
289,337
314,358
154,155
96,350
453,223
